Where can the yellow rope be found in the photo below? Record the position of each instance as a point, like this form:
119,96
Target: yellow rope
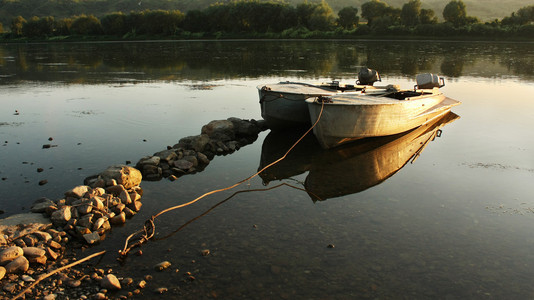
42,277
146,236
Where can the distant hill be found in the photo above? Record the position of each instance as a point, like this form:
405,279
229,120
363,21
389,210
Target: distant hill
485,10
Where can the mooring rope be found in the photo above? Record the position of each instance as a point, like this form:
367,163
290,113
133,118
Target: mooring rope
149,228
225,200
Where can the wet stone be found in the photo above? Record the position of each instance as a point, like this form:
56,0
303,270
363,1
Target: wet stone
110,282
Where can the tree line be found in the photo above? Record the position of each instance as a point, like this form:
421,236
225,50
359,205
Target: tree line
276,19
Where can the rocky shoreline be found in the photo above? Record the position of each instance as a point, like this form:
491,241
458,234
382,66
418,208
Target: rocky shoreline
35,244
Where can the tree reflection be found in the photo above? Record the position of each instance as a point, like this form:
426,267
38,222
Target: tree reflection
94,63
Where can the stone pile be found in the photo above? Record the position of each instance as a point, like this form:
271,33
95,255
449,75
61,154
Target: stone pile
193,153
88,211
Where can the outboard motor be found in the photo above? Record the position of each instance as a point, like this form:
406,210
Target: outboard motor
367,76
429,81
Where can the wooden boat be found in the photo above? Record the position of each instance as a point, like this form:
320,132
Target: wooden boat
347,169
283,104
377,112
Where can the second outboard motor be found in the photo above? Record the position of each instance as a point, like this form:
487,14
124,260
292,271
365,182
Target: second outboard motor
429,81
368,76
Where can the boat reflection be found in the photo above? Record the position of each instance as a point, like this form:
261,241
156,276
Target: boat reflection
347,169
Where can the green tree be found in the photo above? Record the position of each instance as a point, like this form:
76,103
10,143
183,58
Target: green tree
427,16
455,13
114,24
322,17
39,27
373,9
63,26
16,25
523,16
195,21
86,25
410,13
315,16
348,17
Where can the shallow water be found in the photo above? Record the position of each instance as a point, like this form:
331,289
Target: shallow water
456,223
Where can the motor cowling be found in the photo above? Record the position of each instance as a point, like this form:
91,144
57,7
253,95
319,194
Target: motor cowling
429,81
368,76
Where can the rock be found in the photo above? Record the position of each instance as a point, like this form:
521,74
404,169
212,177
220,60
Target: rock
40,205
55,245
221,130
115,189
37,260
149,160
2,272
141,284
30,240
99,296
78,191
84,209
73,283
119,219
125,197
124,175
245,127
136,206
27,278
166,155
18,265
43,236
92,237
97,202
43,182
162,266
192,159
31,252
9,287
61,216
99,222
152,173
50,297
110,282
199,144
202,159
52,254
183,164
160,290
10,254
134,196
85,221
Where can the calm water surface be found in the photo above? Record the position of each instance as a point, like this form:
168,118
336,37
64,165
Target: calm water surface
456,223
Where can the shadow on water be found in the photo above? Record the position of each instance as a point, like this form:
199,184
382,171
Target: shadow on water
348,169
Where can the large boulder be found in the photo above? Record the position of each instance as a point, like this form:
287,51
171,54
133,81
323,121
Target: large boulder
124,175
219,130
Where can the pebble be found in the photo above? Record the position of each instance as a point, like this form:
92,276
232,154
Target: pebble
110,282
162,266
160,290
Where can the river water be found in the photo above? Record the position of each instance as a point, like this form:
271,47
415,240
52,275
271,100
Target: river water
364,221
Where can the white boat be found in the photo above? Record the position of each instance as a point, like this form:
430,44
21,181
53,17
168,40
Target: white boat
378,112
283,104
